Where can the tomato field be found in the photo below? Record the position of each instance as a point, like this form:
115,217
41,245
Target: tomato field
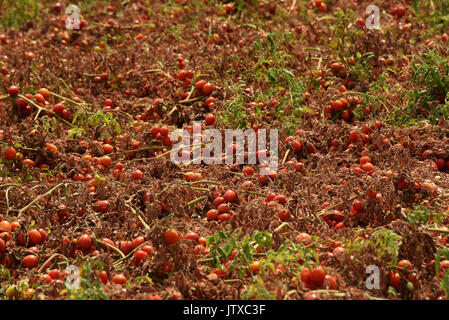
92,205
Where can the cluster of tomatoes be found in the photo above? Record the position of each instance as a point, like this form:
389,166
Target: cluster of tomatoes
299,146
10,154
342,108
253,267
398,12
162,134
317,4
404,270
283,213
29,239
222,205
441,162
314,278
334,218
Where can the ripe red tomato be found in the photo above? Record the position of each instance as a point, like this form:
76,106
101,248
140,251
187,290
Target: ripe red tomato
223,208
218,201
137,175
394,280
30,261
140,255
85,241
200,84
224,217
210,119
30,163
248,171
108,148
357,205
13,91
441,164
102,206
368,167
405,264
171,236
192,236
54,274
126,247
9,154
353,136
230,196
103,277
297,145
207,88
119,279
106,160
306,275
148,249
331,281
281,199
317,276
336,105
284,215
212,214
108,241
137,242
304,238
365,159
34,236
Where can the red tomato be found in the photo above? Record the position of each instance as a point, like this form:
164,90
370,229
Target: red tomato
103,277
297,145
281,199
140,255
223,208
43,234
218,201
148,249
207,88
54,274
306,275
119,279
30,261
368,167
192,236
395,279
171,236
248,171
137,175
137,242
331,281
230,196
284,215
34,236
9,154
224,217
405,264
13,91
212,214
317,276
85,241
